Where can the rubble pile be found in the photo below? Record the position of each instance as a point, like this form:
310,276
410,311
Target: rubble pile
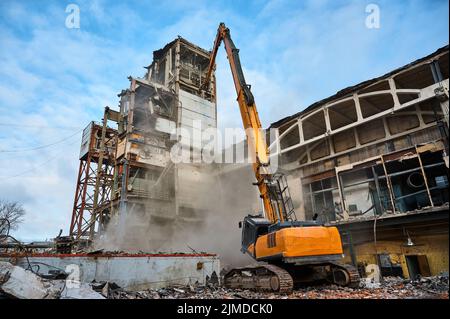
19,283
16,282
391,288
438,283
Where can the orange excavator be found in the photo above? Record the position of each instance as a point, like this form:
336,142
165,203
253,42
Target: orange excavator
289,251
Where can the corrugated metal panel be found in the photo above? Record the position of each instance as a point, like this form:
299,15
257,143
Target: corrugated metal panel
196,104
165,125
194,137
85,140
188,116
195,108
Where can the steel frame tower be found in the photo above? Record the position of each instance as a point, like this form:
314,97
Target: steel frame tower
92,202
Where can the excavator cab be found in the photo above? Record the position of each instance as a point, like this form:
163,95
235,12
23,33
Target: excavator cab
252,226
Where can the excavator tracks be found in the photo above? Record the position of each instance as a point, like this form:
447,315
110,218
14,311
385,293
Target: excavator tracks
344,275
276,279
264,278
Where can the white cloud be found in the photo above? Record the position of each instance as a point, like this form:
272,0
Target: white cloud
54,78
292,53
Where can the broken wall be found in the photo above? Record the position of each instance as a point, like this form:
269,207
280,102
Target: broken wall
173,206
347,150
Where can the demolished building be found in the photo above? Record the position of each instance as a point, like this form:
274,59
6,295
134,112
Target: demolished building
130,196
373,161
136,175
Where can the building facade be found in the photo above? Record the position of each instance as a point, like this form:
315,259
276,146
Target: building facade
377,152
153,114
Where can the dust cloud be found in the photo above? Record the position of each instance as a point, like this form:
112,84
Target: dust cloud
217,199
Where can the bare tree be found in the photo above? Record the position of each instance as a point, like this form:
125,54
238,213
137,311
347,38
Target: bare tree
11,214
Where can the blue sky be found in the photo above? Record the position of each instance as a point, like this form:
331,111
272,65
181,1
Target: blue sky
54,80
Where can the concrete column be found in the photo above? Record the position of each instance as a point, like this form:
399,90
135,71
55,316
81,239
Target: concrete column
327,120
357,107
300,131
393,90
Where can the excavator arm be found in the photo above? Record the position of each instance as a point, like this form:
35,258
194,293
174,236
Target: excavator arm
292,248
255,135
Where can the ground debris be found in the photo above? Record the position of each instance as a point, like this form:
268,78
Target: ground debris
16,282
389,288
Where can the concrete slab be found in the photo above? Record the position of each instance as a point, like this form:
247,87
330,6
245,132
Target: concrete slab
130,271
23,284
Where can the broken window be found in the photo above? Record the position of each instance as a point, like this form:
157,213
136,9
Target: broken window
359,192
321,198
409,188
388,268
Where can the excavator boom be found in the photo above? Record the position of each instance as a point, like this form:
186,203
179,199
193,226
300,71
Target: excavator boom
290,247
250,119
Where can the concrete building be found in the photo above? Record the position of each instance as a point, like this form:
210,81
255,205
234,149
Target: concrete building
373,160
128,168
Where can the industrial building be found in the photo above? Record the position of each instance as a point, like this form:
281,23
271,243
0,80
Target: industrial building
373,160
127,183
127,168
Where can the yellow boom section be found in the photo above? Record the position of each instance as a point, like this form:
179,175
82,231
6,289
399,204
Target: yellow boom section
250,118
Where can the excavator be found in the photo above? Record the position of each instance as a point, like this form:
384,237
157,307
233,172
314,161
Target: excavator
288,252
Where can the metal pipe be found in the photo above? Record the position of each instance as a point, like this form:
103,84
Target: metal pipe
413,182
388,182
377,186
123,191
415,193
424,176
379,177
322,190
395,174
